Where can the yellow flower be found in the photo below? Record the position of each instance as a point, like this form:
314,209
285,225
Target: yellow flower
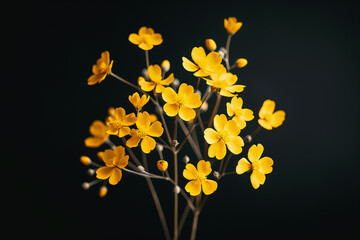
146,38
120,122
138,102
259,166
224,82
99,135
225,134
204,64
268,118
210,44
114,160
232,25
181,103
162,165
198,178
101,69
241,115
155,75
146,130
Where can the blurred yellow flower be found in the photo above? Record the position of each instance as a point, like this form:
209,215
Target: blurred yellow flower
198,178
146,130
232,25
223,82
162,165
120,122
155,75
138,102
225,134
204,64
146,38
99,135
101,69
241,115
268,118
181,103
114,160
259,166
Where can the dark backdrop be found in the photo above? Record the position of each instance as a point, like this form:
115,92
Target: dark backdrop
305,56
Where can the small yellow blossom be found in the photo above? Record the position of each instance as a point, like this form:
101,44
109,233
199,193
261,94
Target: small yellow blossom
204,64
225,134
241,62
146,38
103,191
114,160
162,165
98,131
241,115
101,69
181,103
268,118
85,160
210,44
155,75
259,166
120,122
232,25
165,65
198,178
223,82
138,102
146,130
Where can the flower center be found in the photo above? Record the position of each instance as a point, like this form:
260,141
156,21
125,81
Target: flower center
255,165
267,117
118,124
201,177
224,136
142,133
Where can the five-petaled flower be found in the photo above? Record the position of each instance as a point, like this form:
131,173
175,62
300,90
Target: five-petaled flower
114,160
146,130
225,134
101,69
232,25
198,178
223,82
146,38
268,118
119,123
204,64
181,103
98,131
138,102
155,75
241,115
259,166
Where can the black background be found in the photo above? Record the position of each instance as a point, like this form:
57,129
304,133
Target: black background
305,56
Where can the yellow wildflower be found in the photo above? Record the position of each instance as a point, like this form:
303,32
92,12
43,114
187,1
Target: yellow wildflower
225,134
268,118
181,103
223,82
155,75
101,69
114,160
146,130
120,122
232,25
162,165
259,166
241,115
98,131
198,178
204,64
210,44
146,38
138,102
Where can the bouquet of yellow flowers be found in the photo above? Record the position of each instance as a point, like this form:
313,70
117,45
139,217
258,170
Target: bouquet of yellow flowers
184,104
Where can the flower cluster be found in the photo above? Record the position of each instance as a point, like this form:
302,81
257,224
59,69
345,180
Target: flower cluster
183,104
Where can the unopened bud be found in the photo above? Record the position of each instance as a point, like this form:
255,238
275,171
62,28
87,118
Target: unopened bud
111,111
162,165
204,107
141,168
165,65
103,191
177,189
241,62
145,74
198,92
85,160
85,185
99,155
175,83
91,171
222,52
174,143
216,174
186,159
159,147
210,44
248,139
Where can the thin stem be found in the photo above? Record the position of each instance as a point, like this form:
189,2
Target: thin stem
175,197
147,58
227,52
194,146
197,85
161,113
227,162
194,225
217,104
174,134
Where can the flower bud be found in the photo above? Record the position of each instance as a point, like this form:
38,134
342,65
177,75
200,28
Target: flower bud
141,168
91,171
210,44
103,191
85,160
186,159
111,111
145,74
216,174
159,147
174,143
99,155
248,139
85,185
175,83
204,107
162,165
222,52
165,65
177,189
241,62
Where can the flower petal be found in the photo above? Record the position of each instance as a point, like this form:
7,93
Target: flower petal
104,172
134,38
209,186
257,178
217,149
190,172
247,114
143,120
211,136
168,80
171,109
129,119
204,167
169,95
108,156
266,165
277,118
147,144
94,142
219,122
154,72
265,124
235,145
115,176
193,187
120,113
145,85
255,152
123,131
188,65
186,113
268,107
192,100
232,127
243,166
98,129
134,140
156,129
156,39
198,55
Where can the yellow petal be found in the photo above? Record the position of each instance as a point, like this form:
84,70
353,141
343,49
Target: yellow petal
171,109
190,172
105,56
232,127
219,122
123,131
277,118
247,114
265,124
145,46
156,39
156,129
213,59
268,107
134,140
119,152
255,152
209,186
159,88
235,145
145,85
134,38
198,55
266,165
192,100
154,72
188,65
168,80
243,166
98,129
193,187
104,172
115,176
169,95
186,113
204,167
218,150
120,113
185,89
94,142
108,156
93,79
257,178
129,119
241,123
147,144
143,120
211,136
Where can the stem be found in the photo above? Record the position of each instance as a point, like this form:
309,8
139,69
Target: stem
174,134
147,58
194,146
227,52
217,104
161,113
175,196
197,85
194,226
